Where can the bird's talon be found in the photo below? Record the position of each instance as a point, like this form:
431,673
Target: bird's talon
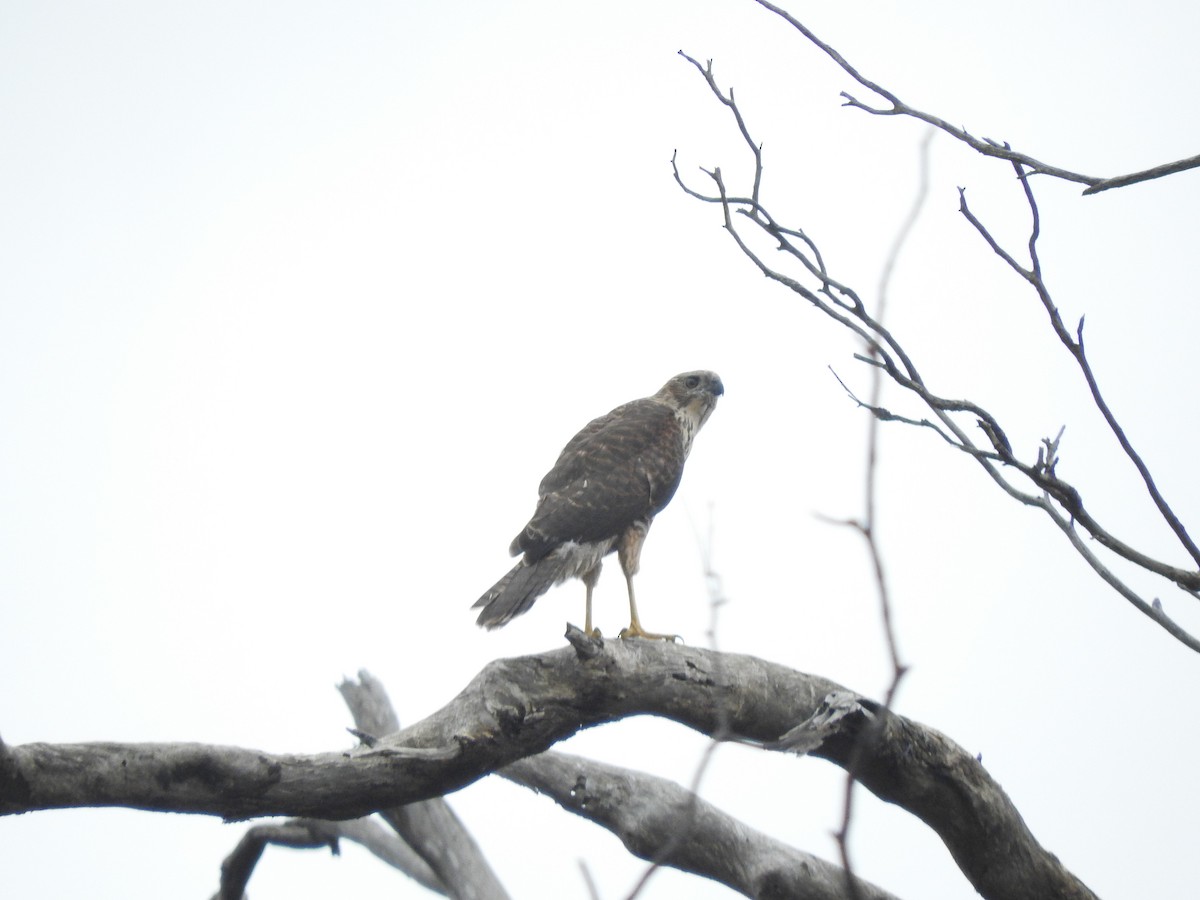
635,632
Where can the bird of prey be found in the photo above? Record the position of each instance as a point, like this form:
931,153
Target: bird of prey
601,496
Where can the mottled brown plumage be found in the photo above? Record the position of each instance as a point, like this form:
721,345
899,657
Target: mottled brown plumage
609,482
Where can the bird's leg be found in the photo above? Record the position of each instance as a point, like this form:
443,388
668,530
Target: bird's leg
635,629
590,578
629,552
587,613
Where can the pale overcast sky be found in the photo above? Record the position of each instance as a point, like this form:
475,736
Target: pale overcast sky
299,301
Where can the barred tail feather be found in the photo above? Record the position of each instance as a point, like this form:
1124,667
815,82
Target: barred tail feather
515,592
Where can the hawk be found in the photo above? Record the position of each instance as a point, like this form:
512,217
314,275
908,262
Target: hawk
609,483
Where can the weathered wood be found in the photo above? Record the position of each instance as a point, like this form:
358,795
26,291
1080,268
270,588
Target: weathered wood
666,824
515,708
429,827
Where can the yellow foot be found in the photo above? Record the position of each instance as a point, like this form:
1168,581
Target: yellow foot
635,631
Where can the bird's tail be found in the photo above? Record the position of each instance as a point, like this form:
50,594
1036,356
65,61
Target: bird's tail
515,592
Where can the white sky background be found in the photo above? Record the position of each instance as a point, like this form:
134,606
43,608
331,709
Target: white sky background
299,301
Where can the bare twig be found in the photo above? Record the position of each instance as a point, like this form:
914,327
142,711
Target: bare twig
867,525
314,834
1074,345
686,821
239,865
887,357
987,147
589,881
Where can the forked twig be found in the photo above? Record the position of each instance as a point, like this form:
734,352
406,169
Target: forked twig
1074,345
1047,490
986,146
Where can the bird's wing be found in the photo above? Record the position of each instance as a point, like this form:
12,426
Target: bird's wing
621,468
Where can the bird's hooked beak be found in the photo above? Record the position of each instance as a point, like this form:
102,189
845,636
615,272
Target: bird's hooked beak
705,403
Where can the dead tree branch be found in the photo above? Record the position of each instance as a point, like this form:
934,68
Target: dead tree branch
518,707
429,843
668,846
1037,483
866,526
315,834
986,146
239,865
1074,346
429,827
663,822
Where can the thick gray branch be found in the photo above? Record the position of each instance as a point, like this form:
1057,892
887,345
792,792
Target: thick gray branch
664,823
429,827
517,707
373,714
385,844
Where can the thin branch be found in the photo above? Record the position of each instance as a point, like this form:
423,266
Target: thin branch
887,356
314,834
985,146
707,71
1119,181
589,881
884,414
682,831
1074,345
239,865
867,526
1153,610
686,825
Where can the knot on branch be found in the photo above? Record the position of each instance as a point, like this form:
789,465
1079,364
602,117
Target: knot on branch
996,435
810,734
587,646
513,719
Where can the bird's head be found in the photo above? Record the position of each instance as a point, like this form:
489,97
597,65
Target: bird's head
694,396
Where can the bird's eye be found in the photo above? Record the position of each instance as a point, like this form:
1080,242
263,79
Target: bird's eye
692,381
